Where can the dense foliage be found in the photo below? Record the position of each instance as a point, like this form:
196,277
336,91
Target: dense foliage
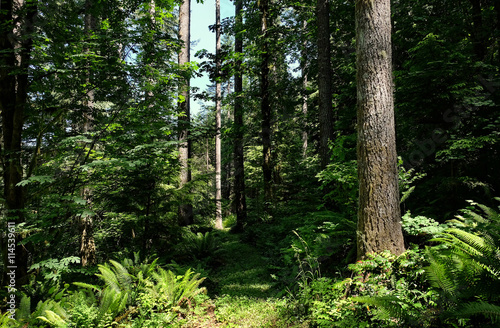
98,189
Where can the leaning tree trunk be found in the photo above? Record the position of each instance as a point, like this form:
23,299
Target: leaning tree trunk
379,216
240,205
326,118
185,209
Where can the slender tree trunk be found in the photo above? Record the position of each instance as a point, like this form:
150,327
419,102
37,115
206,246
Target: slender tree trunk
218,104
379,216
16,30
265,105
185,209
227,170
304,68
149,97
497,10
477,29
326,118
87,242
239,159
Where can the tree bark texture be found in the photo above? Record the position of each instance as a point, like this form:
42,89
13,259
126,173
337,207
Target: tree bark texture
379,226
265,105
240,205
87,242
185,209
218,105
16,30
326,117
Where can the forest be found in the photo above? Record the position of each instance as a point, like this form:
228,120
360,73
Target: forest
340,174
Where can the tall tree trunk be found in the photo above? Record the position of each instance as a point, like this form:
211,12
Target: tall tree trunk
304,67
218,104
16,31
265,105
185,209
326,118
379,216
87,242
497,10
227,169
477,29
149,97
240,205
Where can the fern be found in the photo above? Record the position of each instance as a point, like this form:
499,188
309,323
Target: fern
123,276
389,306
7,322
441,273
466,265
490,311
109,277
24,310
51,312
88,286
136,267
112,302
173,290
199,246
54,319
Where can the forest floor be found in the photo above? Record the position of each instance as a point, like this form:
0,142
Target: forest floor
244,293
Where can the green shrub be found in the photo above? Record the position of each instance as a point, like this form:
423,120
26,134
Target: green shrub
395,284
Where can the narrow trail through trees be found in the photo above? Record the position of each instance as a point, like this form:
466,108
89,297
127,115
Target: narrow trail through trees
243,290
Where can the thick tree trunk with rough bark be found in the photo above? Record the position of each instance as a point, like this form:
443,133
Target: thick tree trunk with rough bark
218,105
185,209
16,29
326,118
379,226
240,205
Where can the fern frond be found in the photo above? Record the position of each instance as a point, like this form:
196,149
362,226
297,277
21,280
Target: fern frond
491,214
112,302
480,253
122,275
461,240
147,269
24,310
109,277
6,321
389,306
88,286
488,310
53,319
440,272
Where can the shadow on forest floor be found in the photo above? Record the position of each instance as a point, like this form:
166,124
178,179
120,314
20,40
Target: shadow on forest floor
244,294
244,271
